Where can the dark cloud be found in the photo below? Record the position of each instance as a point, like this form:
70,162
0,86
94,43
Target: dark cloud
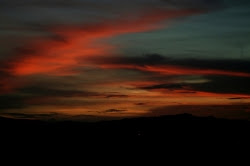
238,98
216,84
28,96
15,101
220,111
114,111
140,103
27,12
55,92
235,98
116,96
165,86
52,92
53,116
219,64
11,101
30,116
234,65
207,4
75,3
224,84
32,3
148,59
41,96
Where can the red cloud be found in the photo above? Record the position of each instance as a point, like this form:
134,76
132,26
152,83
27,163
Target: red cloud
175,70
55,57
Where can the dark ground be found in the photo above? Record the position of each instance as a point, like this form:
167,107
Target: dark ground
167,139
177,130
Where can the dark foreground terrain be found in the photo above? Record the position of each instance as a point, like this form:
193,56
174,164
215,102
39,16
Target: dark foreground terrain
177,130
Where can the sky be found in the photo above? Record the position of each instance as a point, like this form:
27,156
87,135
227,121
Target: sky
105,59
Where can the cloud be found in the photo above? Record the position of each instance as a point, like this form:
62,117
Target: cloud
64,59
77,3
58,57
238,98
66,48
53,116
11,102
175,70
140,103
30,116
25,97
225,84
53,92
114,111
169,66
116,96
176,86
205,4
217,84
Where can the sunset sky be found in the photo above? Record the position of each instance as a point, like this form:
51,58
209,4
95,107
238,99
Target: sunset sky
90,59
